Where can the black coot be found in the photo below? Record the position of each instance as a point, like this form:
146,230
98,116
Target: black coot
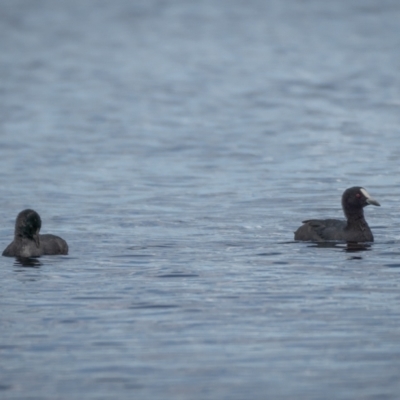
27,241
355,229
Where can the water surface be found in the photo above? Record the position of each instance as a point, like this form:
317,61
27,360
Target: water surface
176,146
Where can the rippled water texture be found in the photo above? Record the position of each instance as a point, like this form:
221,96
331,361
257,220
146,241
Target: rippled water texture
176,146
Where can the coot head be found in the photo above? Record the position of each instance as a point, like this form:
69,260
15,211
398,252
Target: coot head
28,225
357,198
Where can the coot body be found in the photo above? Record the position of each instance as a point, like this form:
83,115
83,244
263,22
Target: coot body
354,229
27,240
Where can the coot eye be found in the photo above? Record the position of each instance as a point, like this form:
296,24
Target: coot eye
358,195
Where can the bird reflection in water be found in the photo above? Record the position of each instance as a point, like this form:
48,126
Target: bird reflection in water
349,247
29,262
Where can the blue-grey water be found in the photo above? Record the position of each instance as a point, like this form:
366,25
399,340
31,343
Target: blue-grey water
176,146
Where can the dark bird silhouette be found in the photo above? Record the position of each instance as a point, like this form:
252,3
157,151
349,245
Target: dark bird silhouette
27,241
354,229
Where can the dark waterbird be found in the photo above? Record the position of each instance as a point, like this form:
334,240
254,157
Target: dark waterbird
355,229
27,241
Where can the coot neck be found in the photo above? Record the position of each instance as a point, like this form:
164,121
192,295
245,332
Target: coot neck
19,234
354,215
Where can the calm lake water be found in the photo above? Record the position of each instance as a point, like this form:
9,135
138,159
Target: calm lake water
176,146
